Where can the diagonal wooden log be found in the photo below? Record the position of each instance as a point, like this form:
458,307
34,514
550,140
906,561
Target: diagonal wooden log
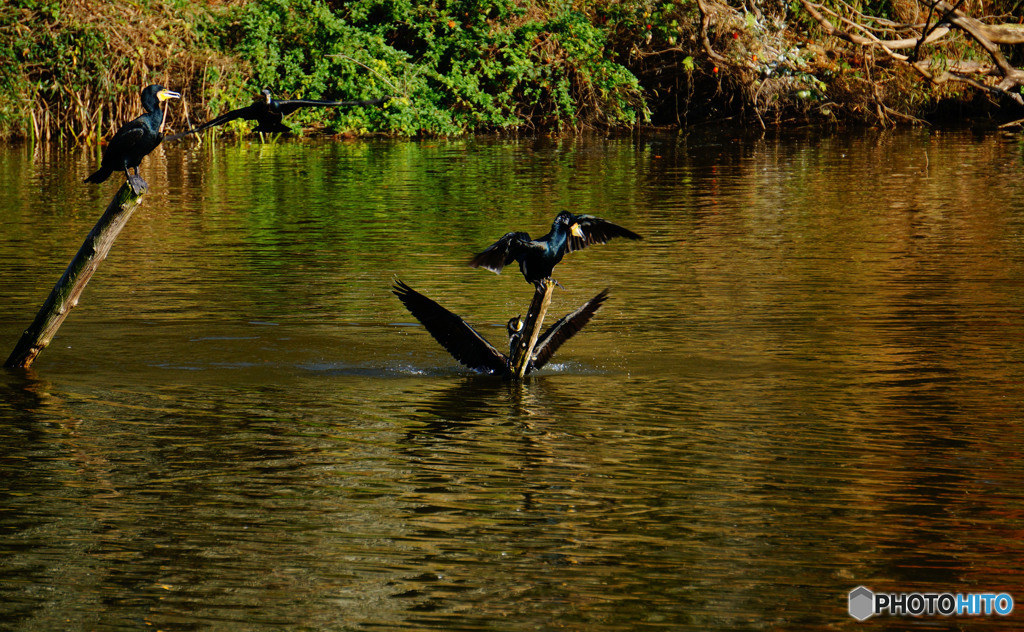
68,289
523,352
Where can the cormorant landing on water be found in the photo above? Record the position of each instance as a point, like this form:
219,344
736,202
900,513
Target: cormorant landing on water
268,113
135,139
538,257
472,350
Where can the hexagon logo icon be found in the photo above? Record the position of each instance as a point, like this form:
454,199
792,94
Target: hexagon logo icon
862,603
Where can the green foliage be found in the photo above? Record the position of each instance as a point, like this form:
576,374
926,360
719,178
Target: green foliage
301,49
66,74
458,67
60,53
452,66
13,114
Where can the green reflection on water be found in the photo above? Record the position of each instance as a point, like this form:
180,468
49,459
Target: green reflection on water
806,379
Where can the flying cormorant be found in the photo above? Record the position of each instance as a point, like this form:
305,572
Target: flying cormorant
135,139
538,257
268,113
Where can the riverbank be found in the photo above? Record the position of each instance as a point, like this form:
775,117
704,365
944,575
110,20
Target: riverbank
74,69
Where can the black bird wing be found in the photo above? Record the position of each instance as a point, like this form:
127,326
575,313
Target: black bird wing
566,327
249,113
503,252
452,333
128,136
289,106
596,231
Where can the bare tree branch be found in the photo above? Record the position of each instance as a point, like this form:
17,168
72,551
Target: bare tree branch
975,74
705,19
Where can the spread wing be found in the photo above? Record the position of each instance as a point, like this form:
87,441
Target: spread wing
502,252
457,337
566,327
596,231
287,107
249,113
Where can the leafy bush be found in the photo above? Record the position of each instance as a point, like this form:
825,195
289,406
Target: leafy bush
74,70
458,66
72,74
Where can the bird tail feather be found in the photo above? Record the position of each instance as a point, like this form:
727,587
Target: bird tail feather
100,175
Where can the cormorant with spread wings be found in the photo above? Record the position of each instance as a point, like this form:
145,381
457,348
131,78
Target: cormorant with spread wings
538,257
472,350
268,113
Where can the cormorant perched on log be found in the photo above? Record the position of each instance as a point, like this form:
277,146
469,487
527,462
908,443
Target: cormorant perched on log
538,257
268,113
135,139
472,350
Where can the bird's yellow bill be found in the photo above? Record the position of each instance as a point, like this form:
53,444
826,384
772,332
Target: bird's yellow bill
576,230
162,96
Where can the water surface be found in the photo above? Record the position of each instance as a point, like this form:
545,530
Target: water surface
808,377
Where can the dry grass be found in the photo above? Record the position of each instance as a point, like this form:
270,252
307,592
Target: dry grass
86,94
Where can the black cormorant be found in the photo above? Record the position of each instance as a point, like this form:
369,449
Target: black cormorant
538,257
268,112
472,350
135,139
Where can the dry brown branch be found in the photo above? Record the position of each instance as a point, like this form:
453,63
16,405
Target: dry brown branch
977,75
1004,33
979,33
911,42
705,20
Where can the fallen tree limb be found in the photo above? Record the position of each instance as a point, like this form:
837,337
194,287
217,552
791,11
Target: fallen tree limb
998,77
68,289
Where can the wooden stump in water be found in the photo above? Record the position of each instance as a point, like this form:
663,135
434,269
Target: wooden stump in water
523,352
64,295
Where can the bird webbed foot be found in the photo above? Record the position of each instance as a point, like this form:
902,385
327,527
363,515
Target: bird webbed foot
138,185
